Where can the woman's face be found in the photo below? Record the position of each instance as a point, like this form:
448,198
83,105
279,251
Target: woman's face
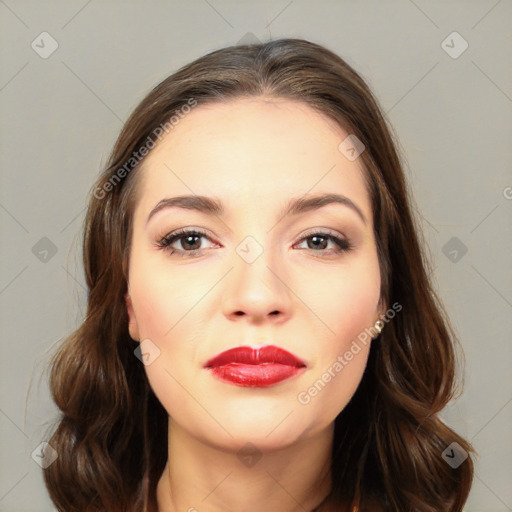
255,276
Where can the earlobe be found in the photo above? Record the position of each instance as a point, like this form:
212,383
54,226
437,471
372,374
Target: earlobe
132,321
379,324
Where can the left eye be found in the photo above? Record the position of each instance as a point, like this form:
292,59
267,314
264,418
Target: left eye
320,240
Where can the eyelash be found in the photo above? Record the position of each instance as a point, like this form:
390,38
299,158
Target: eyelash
344,244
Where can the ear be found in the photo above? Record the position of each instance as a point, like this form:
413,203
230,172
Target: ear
381,313
381,310
133,328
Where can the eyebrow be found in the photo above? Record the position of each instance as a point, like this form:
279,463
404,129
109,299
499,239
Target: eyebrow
295,206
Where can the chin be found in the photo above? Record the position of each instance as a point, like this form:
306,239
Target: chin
267,429
249,440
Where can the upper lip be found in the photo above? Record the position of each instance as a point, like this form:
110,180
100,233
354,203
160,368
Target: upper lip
248,355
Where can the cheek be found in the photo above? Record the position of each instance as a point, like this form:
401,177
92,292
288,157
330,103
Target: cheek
351,304
164,307
165,384
162,298
336,375
357,310
350,308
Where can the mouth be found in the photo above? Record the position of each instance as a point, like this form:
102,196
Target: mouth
257,368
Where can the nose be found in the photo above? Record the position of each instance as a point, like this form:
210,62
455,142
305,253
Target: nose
257,292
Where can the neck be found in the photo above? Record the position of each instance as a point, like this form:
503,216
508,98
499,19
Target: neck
199,477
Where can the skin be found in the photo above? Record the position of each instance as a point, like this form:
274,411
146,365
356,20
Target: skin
252,154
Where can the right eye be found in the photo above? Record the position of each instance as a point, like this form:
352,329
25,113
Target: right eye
189,239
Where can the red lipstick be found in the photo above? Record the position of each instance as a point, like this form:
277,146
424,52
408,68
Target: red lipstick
257,368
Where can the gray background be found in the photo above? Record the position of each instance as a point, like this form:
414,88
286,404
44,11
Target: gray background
61,114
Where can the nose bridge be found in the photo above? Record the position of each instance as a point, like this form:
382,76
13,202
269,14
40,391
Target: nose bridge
256,286
254,263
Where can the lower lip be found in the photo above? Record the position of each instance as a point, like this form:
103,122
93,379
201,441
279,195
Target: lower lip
255,375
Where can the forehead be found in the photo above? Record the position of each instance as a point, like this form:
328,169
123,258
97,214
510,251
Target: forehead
252,149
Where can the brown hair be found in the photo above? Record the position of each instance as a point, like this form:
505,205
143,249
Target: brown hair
388,442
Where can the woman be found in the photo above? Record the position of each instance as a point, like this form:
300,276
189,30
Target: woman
261,333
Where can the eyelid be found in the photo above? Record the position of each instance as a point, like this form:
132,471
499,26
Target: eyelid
325,231
182,233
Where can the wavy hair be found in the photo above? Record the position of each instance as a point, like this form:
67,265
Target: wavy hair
388,441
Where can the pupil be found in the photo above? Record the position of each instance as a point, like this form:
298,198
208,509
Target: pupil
316,238
191,237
